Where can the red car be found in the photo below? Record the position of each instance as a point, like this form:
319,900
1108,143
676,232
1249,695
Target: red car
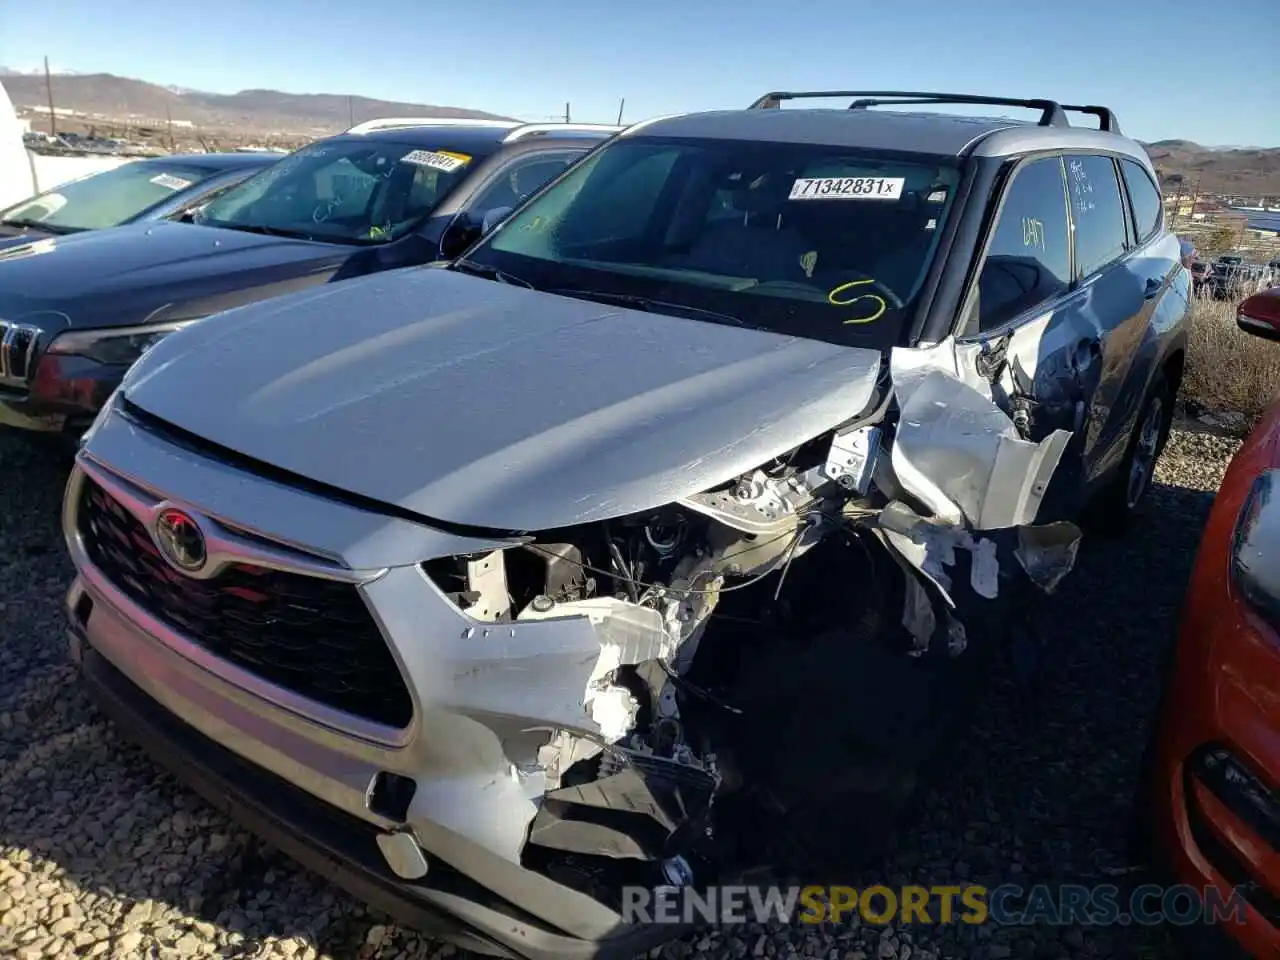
1212,790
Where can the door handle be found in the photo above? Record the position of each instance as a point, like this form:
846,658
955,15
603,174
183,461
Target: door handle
1153,286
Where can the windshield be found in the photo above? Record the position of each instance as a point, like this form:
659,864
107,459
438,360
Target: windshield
105,199
342,191
821,242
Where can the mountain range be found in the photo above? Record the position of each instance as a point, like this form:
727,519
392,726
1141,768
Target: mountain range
258,111
1247,171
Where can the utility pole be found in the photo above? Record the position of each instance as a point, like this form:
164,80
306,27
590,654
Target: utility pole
621,104
566,111
351,113
1177,203
48,89
168,120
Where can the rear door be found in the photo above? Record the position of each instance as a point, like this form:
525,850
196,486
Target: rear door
1113,302
1129,268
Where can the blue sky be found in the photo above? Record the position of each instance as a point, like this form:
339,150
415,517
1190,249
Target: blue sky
1166,73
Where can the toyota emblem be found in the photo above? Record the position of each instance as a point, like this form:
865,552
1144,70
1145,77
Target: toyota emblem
180,541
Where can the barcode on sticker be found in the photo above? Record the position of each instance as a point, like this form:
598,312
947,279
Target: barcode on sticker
848,188
170,181
437,161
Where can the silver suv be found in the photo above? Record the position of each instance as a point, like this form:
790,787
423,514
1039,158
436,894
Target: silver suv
663,534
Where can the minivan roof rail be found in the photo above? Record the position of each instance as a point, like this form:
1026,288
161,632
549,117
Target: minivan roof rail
530,129
1052,113
394,123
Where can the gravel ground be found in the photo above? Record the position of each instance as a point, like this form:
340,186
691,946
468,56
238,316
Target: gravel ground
101,855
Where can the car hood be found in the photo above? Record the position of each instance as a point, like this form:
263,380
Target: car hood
124,275
480,403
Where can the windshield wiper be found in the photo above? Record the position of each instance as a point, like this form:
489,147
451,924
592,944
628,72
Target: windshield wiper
260,228
635,302
489,273
39,225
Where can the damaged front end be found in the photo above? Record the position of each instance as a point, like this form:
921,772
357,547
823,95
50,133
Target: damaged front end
764,645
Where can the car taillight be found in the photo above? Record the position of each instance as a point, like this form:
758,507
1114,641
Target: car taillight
1255,548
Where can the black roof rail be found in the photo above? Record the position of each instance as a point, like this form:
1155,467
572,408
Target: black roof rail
1052,113
1107,121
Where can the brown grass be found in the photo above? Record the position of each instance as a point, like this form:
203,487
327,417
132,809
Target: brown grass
1228,370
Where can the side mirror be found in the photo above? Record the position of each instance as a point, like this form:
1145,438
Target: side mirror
462,232
1260,314
189,215
492,218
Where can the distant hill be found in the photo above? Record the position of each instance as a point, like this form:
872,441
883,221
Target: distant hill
1174,145
1250,172
260,111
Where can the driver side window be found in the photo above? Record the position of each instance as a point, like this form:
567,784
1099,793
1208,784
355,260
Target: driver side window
521,179
1029,258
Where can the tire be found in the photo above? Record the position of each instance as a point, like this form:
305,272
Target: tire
1112,513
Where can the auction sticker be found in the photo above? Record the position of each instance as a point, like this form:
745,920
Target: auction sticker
170,181
437,159
848,188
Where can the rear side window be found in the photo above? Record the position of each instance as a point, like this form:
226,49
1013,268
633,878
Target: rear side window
1029,258
1098,210
1145,199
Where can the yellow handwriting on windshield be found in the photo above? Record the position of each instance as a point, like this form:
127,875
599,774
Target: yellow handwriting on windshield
846,295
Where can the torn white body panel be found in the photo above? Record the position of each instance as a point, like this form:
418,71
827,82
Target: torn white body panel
931,548
960,455
1048,552
627,632
907,366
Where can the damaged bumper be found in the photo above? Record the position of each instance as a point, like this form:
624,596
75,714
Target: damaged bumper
454,900
426,820
495,726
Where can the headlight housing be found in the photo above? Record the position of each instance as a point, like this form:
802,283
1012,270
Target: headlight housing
1255,547
119,345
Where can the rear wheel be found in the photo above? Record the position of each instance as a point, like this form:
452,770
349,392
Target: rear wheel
1115,507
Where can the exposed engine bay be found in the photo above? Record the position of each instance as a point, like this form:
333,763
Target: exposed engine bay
770,636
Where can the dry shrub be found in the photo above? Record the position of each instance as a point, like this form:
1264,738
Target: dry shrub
1228,370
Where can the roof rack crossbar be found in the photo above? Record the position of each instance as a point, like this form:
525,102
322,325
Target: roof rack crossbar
393,123
1107,121
529,129
1051,112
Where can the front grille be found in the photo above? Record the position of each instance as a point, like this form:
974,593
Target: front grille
312,636
18,345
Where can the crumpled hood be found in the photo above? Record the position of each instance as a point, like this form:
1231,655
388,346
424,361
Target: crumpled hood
124,275
480,403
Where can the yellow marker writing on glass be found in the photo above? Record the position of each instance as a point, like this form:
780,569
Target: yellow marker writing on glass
838,298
